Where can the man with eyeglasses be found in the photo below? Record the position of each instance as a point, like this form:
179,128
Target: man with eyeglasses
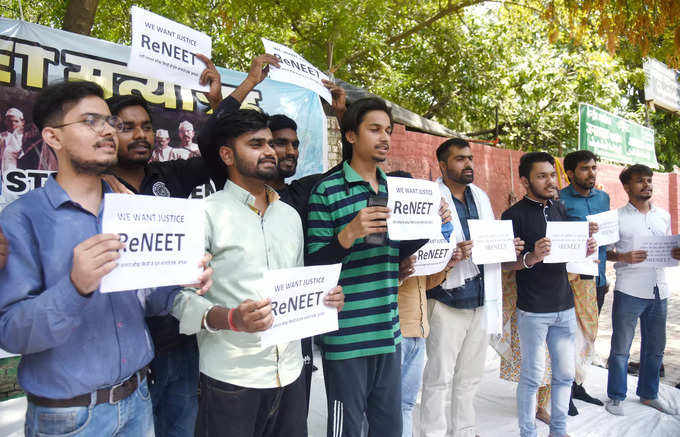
85,354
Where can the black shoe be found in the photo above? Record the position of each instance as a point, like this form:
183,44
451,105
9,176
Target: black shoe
572,408
579,392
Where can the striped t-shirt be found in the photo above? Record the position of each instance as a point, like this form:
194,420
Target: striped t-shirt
369,321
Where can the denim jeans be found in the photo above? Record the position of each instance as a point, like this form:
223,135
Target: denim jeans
412,364
230,410
174,390
557,330
625,313
130,417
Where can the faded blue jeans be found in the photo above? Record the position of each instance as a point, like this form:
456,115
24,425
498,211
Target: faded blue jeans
412,365
130,417
625,313
557,330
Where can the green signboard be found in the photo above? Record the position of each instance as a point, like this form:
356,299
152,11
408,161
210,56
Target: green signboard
614,138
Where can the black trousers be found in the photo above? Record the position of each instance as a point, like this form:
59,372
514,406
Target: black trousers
364,385
229,410
601,291
307,366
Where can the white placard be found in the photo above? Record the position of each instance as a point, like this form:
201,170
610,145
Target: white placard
296,70
608,227
568,241
658,250
165,49
297,303
586,267
493,241
164,240
433,256
414,209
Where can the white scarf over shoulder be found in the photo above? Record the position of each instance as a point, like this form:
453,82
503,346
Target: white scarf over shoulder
467,269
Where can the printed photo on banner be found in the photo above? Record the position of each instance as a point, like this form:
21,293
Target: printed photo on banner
297,303
414,209
164,240
296,70
568,241
658,250
608,227
493,241
165,49
433,256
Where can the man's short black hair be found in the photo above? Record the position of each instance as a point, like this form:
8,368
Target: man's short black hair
118,103
573,159
443,149
222,131
526,162
636,169
280,121
355,115
57,98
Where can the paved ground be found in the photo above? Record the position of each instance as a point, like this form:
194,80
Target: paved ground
672,354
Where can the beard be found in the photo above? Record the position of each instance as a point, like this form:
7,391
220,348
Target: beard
585,184
287,172
461,178
255,171
535,193
137,160
93,168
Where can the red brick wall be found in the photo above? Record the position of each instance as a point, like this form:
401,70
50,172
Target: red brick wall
496,172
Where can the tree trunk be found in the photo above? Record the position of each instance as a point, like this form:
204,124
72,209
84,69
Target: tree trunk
79,16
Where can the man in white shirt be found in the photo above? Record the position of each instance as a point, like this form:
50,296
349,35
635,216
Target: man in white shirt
162,151
640,292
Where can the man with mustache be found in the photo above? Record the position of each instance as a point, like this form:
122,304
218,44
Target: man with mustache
545,301
581,199
639,293
85,354
463,310
174,369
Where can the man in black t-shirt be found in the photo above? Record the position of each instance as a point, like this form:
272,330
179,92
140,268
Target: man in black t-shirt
545,301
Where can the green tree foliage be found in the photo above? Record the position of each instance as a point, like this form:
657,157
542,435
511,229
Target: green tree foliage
454,61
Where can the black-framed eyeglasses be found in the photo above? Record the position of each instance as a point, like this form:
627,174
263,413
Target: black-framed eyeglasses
97,122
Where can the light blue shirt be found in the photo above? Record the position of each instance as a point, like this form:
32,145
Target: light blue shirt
71,345
578,207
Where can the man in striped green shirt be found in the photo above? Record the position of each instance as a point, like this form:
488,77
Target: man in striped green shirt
362,360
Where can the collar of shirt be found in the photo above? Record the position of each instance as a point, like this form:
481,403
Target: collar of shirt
244,195
531,201
58,197
352,177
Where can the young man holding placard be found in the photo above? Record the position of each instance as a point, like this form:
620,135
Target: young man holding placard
362,360
545,301
246,388
582,199
463,310
639,292
85,354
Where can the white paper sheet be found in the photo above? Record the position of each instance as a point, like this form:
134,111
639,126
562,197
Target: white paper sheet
164,240
297,302
165,49
433,256
608,223
569,241
296,70
493,241
658,250
414,209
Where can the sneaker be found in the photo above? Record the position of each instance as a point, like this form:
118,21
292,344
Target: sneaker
614,407
656,403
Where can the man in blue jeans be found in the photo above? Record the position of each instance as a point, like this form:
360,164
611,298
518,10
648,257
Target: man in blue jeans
640,293
545,301
85,354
